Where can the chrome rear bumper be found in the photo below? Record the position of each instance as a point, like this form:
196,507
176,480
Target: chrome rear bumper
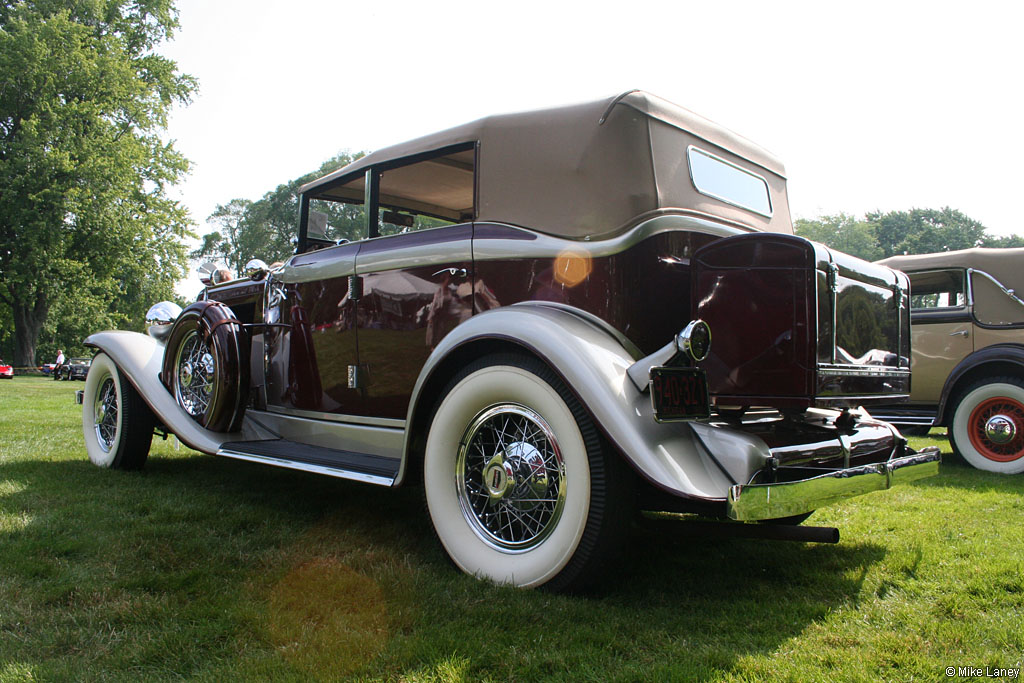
750,502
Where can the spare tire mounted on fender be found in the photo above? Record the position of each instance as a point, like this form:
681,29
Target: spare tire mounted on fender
206,365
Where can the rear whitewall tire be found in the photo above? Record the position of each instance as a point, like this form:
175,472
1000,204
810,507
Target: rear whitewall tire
116,423
572,547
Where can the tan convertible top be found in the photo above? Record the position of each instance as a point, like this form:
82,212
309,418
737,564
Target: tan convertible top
580,171
1005,265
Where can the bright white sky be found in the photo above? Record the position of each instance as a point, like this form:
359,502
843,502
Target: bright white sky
870,105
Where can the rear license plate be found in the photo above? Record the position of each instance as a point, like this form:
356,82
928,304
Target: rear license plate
679,394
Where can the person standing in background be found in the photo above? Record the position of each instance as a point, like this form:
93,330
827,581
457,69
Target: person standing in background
56,366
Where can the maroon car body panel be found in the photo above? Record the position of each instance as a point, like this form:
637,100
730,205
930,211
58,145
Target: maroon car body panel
385,333
795,329
610,287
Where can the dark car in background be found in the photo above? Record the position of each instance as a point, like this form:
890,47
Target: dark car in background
552,319
74,368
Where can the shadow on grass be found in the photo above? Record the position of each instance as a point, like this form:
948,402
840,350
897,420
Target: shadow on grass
236,537
957,472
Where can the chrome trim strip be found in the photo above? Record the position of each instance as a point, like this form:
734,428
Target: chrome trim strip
307,467
415,256
752,502
546,246
341,266
862,370
1009,292
904,420
390,423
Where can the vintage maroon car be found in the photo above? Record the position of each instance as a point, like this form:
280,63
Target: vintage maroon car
553,318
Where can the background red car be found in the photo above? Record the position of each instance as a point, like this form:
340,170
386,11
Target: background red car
6,371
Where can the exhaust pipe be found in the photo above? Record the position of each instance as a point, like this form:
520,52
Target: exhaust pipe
668,528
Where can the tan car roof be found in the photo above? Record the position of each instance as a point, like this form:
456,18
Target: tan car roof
1005,265
579,171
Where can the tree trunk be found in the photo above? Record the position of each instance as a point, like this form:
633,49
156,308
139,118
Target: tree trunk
28,322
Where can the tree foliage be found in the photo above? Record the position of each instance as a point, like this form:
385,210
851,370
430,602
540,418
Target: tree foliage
264,228
925,231
86,227
917,231
843,232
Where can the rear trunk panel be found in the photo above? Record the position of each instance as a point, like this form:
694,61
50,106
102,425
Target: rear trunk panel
796,325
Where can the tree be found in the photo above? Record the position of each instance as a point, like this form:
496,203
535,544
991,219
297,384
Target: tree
843,232
264,229
925,231
83,169
1004,241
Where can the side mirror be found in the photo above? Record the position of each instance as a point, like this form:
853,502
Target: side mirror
256,269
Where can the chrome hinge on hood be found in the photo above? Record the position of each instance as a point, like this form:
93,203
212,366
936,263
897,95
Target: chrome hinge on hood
833,288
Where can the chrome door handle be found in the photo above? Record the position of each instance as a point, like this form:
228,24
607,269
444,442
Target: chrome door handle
454,272
960,333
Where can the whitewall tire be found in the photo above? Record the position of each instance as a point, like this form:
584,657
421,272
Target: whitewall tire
116,423
518,485
988,425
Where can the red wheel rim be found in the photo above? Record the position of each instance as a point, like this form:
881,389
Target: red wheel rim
999,452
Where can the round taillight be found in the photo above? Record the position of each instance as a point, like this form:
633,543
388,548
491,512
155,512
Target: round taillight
695,340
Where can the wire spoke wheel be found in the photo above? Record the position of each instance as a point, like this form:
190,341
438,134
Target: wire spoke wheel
195,377
518,485
105,414
116,422
510,477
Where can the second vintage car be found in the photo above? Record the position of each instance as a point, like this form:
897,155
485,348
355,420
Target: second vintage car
551,319
75,368
967,326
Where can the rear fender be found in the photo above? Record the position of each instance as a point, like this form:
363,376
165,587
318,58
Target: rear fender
593,362
998,359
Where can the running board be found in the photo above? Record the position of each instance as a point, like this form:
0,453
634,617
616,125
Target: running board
372,469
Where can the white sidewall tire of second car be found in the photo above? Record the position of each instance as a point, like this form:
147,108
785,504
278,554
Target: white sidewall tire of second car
487,387
101,369
959,434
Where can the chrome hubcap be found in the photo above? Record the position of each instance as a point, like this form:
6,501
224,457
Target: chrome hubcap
196,375
105,416
1000,429
510,478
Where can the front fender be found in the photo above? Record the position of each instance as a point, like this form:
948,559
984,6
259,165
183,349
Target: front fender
140,357
593,364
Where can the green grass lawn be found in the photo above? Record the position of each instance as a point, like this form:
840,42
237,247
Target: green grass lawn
209,569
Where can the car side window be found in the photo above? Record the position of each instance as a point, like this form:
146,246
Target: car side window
995,304
937,289
431,190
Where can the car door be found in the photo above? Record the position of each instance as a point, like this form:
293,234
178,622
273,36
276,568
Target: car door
941,330
310,337
416,287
